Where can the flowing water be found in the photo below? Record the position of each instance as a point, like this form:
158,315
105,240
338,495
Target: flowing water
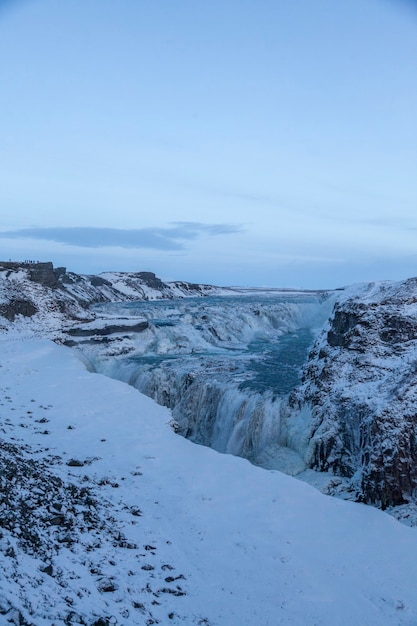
223,365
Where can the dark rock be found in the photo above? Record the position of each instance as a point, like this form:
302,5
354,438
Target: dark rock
109,330
98,281
74,618
17,307
135,510
48,570
359,391
398,329
75,463
175,592
342,324
46,274
151,280
107,585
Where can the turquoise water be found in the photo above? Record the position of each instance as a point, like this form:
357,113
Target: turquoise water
256,343
277,367
223,364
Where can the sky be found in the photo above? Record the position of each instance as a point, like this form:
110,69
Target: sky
231,142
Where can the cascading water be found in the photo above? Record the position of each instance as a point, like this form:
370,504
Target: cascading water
222,364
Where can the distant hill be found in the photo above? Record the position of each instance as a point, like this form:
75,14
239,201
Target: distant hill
52,296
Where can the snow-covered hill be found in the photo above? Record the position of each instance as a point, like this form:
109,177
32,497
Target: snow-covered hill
41,298
108,517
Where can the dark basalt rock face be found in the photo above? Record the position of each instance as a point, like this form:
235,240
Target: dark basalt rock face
46,274
17,307
343,324
359,394
151,280
98,281
397,330
190,286
111,329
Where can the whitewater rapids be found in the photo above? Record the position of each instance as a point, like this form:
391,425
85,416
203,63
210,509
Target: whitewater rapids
221,364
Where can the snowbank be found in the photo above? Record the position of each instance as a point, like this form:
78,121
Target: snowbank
169,532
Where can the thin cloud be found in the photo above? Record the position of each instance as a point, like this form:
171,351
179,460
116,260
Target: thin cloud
151,238
210,229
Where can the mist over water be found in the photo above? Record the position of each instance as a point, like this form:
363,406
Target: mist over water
223,365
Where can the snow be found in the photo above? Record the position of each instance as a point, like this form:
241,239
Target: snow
246,546
118,281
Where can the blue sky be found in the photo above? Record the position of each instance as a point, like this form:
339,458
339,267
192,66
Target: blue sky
229,142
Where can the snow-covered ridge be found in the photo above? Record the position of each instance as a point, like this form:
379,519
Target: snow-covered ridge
53,297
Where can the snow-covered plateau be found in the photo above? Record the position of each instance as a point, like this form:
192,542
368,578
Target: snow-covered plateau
108,516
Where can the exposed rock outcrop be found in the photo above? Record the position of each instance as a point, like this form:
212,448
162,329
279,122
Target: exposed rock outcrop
151,280
110,329
15,307
46,274
356,412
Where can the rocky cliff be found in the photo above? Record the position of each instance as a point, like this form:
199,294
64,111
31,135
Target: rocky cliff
49,298
355,413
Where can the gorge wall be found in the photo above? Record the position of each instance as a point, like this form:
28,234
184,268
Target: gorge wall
355,412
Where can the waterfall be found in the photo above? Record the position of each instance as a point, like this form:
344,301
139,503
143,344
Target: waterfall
221,364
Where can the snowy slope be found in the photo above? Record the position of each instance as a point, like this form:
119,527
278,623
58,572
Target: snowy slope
147,286
90,289
139,526
38,298
33,307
